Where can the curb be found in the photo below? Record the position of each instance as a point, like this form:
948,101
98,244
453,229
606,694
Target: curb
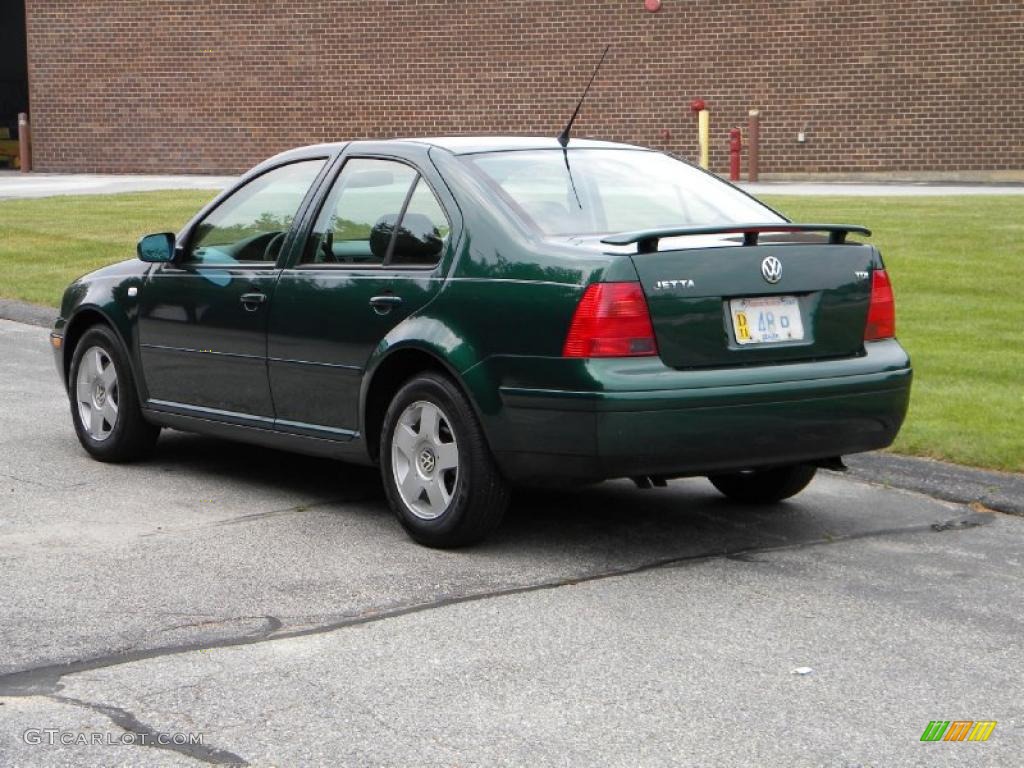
1001,491
31,314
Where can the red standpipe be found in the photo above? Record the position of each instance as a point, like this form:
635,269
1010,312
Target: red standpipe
735,149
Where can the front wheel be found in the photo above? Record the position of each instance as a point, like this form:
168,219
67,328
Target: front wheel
764,486
104,404
439,475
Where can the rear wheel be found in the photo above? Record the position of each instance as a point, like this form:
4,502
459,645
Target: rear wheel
439,475
104,404
764,486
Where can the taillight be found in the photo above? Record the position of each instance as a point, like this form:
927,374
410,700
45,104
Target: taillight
882,309
611,321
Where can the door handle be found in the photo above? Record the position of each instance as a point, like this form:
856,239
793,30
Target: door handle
252,301
384,304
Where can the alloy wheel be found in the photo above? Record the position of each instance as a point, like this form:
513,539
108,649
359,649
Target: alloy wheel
97,393
425,459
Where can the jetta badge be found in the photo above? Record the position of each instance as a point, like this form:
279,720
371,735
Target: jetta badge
664,285
771,269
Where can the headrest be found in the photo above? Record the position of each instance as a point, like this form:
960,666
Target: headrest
418,240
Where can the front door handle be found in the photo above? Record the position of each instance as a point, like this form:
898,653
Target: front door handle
252,301
384,304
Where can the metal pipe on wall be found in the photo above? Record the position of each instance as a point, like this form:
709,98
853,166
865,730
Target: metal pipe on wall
753,143
24,143
704,137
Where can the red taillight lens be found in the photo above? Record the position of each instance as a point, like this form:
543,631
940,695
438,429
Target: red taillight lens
611,321
882,310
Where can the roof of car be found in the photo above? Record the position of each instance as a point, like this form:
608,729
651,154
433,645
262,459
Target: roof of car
458,145
465,145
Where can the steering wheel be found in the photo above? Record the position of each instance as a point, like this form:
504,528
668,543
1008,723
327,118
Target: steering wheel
273,245
326,248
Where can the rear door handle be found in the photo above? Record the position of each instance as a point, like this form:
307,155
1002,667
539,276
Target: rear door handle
252,301
384,304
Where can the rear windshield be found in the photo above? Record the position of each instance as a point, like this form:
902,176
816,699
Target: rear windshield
600,191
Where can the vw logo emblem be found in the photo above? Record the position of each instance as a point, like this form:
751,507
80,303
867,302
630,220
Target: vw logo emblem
771,269
427,461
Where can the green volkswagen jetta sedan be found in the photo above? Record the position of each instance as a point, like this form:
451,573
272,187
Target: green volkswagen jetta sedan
475,313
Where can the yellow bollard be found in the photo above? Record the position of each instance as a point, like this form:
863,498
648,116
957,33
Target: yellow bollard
704,137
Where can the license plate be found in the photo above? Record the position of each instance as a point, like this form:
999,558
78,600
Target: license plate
767,320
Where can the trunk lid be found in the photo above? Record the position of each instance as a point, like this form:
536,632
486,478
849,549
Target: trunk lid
690,292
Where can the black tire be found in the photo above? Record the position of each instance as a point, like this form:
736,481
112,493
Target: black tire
479,494
764,486
131,437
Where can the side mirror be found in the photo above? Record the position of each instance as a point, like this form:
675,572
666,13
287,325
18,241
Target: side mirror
156,248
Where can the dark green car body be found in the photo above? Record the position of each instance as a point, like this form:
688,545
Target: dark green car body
313,367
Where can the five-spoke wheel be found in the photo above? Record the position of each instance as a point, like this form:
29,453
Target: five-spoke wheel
104,404
438,472
96,387
425,459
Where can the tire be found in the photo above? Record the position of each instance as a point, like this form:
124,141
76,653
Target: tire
439,475
764,486
104,401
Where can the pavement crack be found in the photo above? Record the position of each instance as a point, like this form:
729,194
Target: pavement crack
46,680
146,736
959,524
272,623
49,486
252,517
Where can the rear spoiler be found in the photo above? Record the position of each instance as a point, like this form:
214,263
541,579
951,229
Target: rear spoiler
647,239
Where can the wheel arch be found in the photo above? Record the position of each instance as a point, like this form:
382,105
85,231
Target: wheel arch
85,318
388,375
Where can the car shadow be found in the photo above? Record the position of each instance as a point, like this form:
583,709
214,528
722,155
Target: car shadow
309,476
686,519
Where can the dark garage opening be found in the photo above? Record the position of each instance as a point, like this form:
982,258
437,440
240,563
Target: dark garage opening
13,76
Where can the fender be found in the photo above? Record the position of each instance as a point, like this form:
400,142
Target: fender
447,345
105,293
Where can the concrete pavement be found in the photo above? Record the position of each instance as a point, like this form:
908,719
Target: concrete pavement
18,185
14,184
272,604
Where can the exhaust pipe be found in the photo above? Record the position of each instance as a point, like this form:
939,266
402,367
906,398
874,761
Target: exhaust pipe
833,464
644,482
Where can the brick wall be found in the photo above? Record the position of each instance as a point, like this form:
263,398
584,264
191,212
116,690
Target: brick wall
214,86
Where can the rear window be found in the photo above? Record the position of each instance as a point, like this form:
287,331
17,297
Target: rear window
601,191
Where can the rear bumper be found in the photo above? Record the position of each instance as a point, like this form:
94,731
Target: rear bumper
733,419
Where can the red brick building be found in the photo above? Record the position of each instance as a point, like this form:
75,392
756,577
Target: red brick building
186,86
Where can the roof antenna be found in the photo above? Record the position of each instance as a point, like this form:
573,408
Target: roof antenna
563,137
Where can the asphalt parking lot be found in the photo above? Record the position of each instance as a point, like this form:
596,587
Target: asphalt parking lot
271,603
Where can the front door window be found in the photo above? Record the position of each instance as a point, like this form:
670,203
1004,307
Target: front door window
251,225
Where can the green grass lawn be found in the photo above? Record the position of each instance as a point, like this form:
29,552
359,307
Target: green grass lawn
48,242
957,264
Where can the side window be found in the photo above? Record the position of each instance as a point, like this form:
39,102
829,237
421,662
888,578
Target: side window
250,226
378,212
424,229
